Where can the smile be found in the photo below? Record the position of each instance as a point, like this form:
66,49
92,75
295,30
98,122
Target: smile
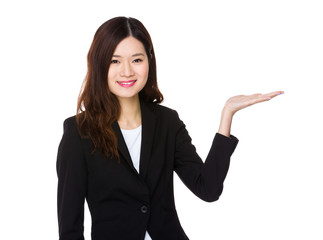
127,83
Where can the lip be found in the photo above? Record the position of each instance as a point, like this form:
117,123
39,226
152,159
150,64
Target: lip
127,84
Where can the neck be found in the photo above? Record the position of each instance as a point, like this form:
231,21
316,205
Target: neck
130,115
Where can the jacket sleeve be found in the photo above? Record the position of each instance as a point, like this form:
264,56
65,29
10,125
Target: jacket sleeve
72,184
206,179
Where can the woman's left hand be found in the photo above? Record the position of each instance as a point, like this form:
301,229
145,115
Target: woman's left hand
236,103
239,102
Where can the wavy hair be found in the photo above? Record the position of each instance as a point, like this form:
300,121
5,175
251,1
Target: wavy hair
97,107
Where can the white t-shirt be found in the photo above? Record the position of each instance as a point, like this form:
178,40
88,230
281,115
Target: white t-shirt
132,138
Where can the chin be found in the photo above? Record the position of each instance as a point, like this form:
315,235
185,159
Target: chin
126,96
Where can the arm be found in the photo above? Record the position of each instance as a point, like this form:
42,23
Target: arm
234,104
72,182
206,179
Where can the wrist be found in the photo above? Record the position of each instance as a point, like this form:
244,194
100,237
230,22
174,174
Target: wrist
225,124
227,112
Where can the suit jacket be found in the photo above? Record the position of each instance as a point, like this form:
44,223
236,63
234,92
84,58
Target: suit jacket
124,204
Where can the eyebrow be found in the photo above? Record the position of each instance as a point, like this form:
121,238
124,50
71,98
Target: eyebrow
134,55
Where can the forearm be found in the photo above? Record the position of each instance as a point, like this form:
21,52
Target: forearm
225,123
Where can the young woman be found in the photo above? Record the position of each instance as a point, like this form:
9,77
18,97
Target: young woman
120,151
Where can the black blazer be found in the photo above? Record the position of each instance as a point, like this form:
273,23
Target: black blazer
124,204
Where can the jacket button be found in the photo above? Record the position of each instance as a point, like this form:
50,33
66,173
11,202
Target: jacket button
144,209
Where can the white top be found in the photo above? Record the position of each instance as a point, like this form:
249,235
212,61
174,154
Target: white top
132,138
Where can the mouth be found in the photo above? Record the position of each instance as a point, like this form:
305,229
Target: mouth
127,83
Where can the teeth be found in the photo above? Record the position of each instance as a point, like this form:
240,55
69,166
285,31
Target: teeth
126,83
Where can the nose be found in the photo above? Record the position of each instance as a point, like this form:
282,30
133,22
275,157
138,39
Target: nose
126,70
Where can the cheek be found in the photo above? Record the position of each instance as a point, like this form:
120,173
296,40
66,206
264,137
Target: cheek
144,71
110,79
111,75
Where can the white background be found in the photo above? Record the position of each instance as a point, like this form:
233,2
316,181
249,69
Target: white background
206,52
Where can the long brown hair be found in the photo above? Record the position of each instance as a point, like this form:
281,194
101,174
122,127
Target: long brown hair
97,107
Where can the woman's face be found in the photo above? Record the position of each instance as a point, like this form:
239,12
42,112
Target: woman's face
128,72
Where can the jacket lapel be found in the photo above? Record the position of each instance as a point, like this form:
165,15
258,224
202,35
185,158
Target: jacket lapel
122,146
148,118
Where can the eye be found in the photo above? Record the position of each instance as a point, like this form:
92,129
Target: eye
114,61
138,60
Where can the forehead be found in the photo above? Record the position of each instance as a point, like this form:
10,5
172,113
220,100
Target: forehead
129,46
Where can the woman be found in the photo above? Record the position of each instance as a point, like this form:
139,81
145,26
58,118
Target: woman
120,151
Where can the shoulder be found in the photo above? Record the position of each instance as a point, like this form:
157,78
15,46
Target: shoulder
162,112
166,110
72,139
159,109
70,126
166,116
70,122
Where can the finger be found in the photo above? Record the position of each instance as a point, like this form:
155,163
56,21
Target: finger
274,94
257,98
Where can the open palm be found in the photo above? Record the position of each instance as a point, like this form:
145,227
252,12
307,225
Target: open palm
239,102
